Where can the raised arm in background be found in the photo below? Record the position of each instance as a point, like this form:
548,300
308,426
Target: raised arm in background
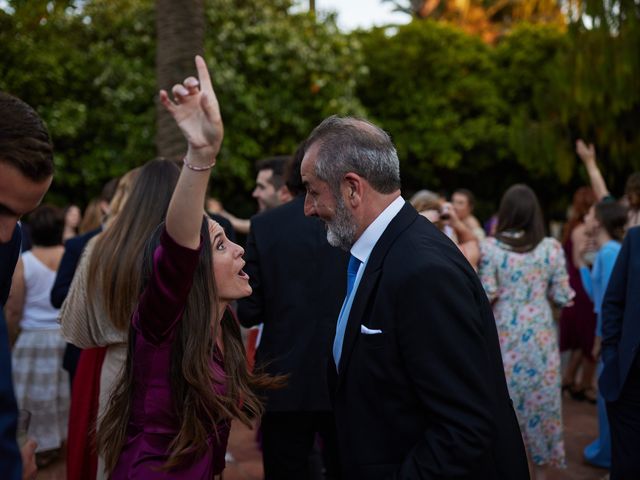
588,156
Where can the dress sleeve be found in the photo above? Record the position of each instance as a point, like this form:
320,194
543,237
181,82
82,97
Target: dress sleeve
163,300
559,290
488,269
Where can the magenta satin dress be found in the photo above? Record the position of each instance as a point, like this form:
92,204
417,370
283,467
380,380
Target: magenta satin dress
153,422
577,322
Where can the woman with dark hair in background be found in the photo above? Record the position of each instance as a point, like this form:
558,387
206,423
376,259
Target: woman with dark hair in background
186,375
606,224
72,219
522,271
41,385
106,286
578,321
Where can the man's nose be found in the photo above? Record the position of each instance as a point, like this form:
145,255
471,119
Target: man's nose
309,207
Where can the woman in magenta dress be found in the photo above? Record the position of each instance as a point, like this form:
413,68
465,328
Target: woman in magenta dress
185,376
578,321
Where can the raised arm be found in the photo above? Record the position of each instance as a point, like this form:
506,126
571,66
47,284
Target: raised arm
196,112
587,154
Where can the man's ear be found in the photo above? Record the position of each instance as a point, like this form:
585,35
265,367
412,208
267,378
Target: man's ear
354,186
284,194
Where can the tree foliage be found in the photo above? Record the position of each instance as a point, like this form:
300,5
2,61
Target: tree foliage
604,77
277,76
487,19
439,100
90,76
462,111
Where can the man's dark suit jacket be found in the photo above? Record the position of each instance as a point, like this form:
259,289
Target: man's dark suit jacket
621,318
10,461
427,397
73,249
299,283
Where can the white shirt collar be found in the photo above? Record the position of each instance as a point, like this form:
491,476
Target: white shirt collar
364,245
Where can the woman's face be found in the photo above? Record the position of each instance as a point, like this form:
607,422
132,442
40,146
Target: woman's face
73,216
461,205
231,281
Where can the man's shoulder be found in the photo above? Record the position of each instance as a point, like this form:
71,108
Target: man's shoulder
292,211
79,241
422,249
634,234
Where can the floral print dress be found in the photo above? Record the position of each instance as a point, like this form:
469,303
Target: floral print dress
520,286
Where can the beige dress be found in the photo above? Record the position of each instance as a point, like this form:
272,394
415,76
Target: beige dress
84,323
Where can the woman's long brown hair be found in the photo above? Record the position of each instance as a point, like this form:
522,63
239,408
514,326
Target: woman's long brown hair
197,405
116,262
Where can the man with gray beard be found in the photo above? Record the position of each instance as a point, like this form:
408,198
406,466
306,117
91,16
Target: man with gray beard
417,380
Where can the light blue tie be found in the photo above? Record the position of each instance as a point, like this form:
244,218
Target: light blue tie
352,273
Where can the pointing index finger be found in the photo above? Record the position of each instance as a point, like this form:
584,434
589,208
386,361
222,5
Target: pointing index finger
203,76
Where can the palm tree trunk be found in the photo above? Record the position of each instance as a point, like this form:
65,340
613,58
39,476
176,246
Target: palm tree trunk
180,27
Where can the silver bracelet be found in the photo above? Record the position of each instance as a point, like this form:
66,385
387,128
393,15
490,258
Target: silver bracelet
197,168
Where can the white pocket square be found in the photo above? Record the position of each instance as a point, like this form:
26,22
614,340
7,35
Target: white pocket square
369,331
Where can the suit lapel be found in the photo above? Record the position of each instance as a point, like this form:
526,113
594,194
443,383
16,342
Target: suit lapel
369,281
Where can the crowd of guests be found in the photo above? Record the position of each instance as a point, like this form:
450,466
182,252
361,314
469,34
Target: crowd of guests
443,359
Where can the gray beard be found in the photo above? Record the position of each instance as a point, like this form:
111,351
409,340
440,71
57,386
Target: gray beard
341,231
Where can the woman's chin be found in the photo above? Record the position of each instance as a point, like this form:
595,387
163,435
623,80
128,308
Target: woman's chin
241,293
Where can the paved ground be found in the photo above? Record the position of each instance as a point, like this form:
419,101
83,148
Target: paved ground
580,428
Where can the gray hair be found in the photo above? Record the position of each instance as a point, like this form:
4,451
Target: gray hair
355,145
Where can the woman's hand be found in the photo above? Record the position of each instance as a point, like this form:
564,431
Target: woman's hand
197,114
587,153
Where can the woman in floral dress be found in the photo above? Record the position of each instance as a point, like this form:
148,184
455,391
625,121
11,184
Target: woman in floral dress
522,271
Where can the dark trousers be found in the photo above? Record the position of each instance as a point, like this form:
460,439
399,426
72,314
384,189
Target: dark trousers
288,440
624,423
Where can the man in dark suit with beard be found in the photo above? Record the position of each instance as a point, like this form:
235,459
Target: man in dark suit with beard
419,386
298,283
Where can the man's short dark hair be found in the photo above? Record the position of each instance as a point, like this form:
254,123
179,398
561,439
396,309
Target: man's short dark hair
46,225
24,139
278,166
293,174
